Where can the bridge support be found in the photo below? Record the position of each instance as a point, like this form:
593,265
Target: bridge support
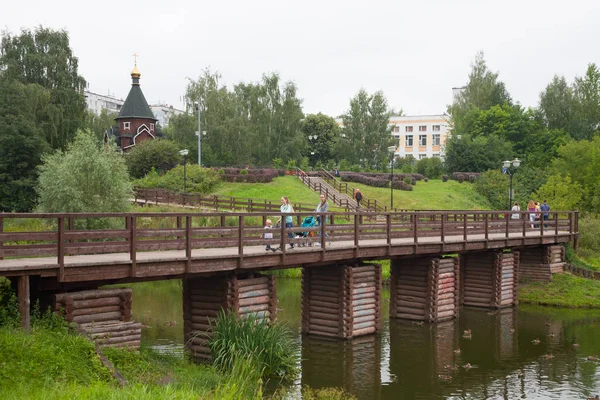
424,288
203,298
341,301
489,279
539,263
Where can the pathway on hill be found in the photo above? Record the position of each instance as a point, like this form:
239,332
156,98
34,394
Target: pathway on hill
319,185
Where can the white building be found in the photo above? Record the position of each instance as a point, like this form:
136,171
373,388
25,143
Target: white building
164,113
420,136
98,102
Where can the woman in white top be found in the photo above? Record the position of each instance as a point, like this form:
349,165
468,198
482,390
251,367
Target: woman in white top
517,209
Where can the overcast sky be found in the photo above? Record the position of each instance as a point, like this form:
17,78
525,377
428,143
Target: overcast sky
414,51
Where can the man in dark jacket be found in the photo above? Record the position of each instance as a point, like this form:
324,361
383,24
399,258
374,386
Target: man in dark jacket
544,208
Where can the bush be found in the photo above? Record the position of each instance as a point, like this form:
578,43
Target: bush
244,172
444,178
589,233
270,348
408,180
281,172
221,171
198,180
162,155
425,180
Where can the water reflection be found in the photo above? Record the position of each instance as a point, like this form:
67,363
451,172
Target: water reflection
407,360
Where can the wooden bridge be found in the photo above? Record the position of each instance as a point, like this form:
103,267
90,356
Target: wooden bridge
219,254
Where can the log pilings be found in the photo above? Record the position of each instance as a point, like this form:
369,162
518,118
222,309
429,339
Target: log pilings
246,295
425,288
539,263
341,301
489,279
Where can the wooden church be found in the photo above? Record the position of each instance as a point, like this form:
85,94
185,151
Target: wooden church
135,122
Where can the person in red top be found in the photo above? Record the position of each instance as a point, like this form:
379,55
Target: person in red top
358,196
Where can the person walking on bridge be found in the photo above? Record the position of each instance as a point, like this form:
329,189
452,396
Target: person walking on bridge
322,207
544,208
286,207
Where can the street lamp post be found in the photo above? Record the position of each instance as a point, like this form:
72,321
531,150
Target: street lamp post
392,150
510,172
312,139
184,153
199,133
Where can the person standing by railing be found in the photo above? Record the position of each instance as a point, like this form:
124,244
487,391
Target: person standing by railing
322,207
544,208
286,207
517,210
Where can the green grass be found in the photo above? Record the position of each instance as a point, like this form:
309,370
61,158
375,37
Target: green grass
432,195
289,186
270,348
565,290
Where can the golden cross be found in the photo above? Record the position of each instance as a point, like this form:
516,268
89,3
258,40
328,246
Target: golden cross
135,56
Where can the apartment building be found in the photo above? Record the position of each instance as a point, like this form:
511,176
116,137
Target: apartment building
420,136
164,112
97,102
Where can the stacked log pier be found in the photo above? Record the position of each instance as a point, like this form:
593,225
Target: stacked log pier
539,263
489,279
204,298
104,315
341,301
425,288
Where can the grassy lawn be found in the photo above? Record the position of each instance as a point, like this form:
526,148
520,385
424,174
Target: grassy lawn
432,195
565,290
289,186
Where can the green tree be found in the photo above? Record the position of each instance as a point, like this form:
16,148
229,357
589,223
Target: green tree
581,161
22,143
44,57
327,132
160,155
483,91
561,193
587,103
479,154
557,104
87,177
366,130
98,124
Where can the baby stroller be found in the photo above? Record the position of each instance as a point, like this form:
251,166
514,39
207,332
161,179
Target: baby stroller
308,222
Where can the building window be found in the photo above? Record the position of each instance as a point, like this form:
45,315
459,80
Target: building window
436,155
422,156
396,129
409,140
436,128
422,140
436,139
422,128
408,129
152,128
126,126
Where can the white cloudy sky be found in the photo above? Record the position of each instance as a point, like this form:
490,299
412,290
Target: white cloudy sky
415,51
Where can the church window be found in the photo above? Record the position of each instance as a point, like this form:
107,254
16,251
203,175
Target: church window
126,126
151,127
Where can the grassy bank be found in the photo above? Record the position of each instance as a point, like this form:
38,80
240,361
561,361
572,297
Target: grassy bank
565,290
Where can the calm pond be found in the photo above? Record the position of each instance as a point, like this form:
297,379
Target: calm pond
408,361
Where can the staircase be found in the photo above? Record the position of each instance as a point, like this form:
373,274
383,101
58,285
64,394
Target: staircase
339,193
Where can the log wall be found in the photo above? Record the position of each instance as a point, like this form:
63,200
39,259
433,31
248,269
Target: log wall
490,279
539,263
425,289
104,315
203,298
341,301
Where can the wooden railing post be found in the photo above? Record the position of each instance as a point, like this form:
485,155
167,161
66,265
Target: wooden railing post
132,245
508,219
415,228
323,236
555,225
486,222
188,242
356,217
241,240
61,248
465,216
576,241
442,229
388,229
1,240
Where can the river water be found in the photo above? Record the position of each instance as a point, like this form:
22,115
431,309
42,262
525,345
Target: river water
410,361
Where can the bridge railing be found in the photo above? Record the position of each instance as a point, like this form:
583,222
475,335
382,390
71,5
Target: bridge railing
62,235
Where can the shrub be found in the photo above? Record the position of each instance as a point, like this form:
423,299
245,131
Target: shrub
425,180
281,172
244,172
159,154
408,180
199,180
270,348
221,171
589,233
444,178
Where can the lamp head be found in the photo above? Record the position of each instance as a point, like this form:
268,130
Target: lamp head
506,164
392,149
204,133
516,162
184,152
